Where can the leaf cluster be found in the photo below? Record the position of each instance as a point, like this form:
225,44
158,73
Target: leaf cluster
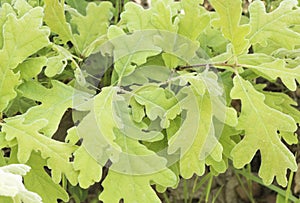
150,98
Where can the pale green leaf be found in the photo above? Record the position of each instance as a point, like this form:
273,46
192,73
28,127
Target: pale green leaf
135,17
135,158
158,102
230,23
93,25
29,139
132,129
84,161
196,136
271,67
94,141
105,114
22,7
55,101
90,171
212,41
177,45
194,20
276,158
31,67
162,15
19,104
37,180
149,71
55,19
129,51
8,81
170,60
276,25
55,65
283,103
21,38
5,10
197,126
135,189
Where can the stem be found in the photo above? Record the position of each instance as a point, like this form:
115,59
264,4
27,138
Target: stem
166,197
207,65
185,191
288,189
208,189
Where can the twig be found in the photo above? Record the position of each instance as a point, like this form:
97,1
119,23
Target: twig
207,65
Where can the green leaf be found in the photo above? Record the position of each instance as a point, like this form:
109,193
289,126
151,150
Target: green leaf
129,52
135,17
29,139
283,103
229,21
132,188
93,25
105,115
55,65
31,67
83,162
192,145
162,15
194,20
170,60
55,101
158,102
55,19
197,135
19,104
39,181
132,129
21,38
212,41
94,141
22,7
271,67
276,158
276,25
135,158
5,10
80,6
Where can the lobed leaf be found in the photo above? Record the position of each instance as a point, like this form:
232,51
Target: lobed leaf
271,67
132,188
21,38
55,19
29,139
276,25
229,21
276,158
39,181
55,102
158,102
93,25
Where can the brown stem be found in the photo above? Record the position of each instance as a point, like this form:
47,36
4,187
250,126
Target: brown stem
207,64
